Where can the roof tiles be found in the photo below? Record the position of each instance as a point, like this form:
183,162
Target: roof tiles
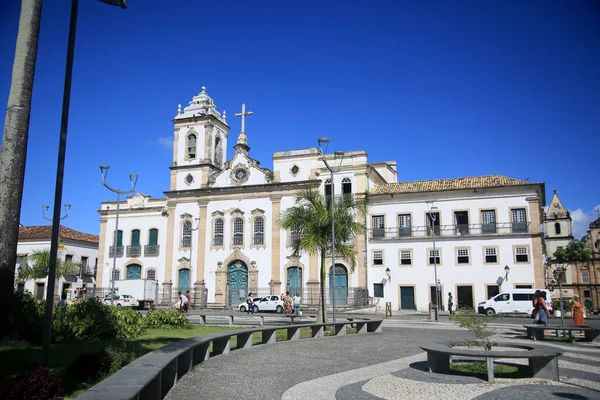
45,232
474,182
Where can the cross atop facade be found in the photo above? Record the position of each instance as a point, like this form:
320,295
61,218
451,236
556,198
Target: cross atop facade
243,115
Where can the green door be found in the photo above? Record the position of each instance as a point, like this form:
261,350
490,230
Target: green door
134,271
237,281
294,280
184,280
407,298
341,284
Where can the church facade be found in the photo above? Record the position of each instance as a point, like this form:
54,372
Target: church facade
217,229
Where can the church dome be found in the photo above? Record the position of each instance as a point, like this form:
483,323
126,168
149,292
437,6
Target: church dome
200,105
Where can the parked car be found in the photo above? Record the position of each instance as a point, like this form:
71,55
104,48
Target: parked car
268,303
512,301
123,300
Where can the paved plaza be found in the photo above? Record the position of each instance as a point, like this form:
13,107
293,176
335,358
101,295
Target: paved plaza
388,365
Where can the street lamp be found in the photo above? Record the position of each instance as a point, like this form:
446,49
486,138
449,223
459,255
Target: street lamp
133,178
432,218
45,208
506,271
389,274
557,275
60,170
336,154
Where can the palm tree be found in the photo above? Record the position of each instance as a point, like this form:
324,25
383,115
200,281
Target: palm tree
14,151
38,264
311,217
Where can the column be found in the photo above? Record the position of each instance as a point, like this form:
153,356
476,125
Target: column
276,243
536,240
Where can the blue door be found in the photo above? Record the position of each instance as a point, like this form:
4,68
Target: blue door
134,271
184,280
237,281
341,284
294,280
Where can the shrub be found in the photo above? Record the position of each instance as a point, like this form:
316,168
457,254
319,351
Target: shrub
84,320
129,323
40,385
119,357
29,317
166,320
476,324
87,368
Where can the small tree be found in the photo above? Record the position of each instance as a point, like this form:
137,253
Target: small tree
38,265
476,324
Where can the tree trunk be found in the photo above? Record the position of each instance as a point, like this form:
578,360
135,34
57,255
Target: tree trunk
322,313
14,152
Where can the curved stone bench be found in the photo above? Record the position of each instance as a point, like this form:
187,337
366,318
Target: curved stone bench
543,360
536,331
152,375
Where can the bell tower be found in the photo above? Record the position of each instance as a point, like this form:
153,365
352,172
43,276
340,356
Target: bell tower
199,143
557,226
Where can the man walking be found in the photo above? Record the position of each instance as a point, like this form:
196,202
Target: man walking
450,303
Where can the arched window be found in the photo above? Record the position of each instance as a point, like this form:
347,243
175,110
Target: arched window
328,187
346,186
218,233
218,152
151,274
259,231
238,232
557,228
192,146
186,234
116,275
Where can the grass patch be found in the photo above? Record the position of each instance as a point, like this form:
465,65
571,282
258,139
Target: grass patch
21,358
479,370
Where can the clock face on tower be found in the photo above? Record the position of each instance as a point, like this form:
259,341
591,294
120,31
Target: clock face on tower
240,175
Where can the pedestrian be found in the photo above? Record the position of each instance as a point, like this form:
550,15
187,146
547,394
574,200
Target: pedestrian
542,309
578,311
250,304
287,304
296,303
63,300
189,302
534,301
450,303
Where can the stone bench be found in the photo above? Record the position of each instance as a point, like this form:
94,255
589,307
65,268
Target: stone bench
536,331
200,319
152,375
543,360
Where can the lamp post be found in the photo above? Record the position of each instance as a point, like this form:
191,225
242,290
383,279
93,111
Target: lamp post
557,275
388,273
333,286
60,169
432,219
133,178
506,271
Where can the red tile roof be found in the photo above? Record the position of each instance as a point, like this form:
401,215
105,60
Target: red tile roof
45,232
474,182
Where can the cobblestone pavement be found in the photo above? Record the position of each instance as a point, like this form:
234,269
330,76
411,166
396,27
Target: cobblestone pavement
389,365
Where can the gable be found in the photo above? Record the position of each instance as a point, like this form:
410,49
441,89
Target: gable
241,171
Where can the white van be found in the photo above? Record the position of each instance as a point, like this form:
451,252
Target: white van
512,301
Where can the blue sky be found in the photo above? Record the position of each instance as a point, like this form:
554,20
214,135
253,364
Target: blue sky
446,88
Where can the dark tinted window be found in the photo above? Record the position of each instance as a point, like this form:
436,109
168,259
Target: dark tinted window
522,296
503,297
378,290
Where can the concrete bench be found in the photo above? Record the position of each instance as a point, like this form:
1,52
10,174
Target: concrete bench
536,331
543,360
200,319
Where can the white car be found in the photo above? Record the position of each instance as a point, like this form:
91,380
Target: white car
268,303
123,300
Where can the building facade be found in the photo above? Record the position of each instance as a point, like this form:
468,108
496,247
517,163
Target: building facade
217,230
77,247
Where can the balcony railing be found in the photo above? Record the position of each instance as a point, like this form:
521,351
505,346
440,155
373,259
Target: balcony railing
134,251
502,228
151,250
119,252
